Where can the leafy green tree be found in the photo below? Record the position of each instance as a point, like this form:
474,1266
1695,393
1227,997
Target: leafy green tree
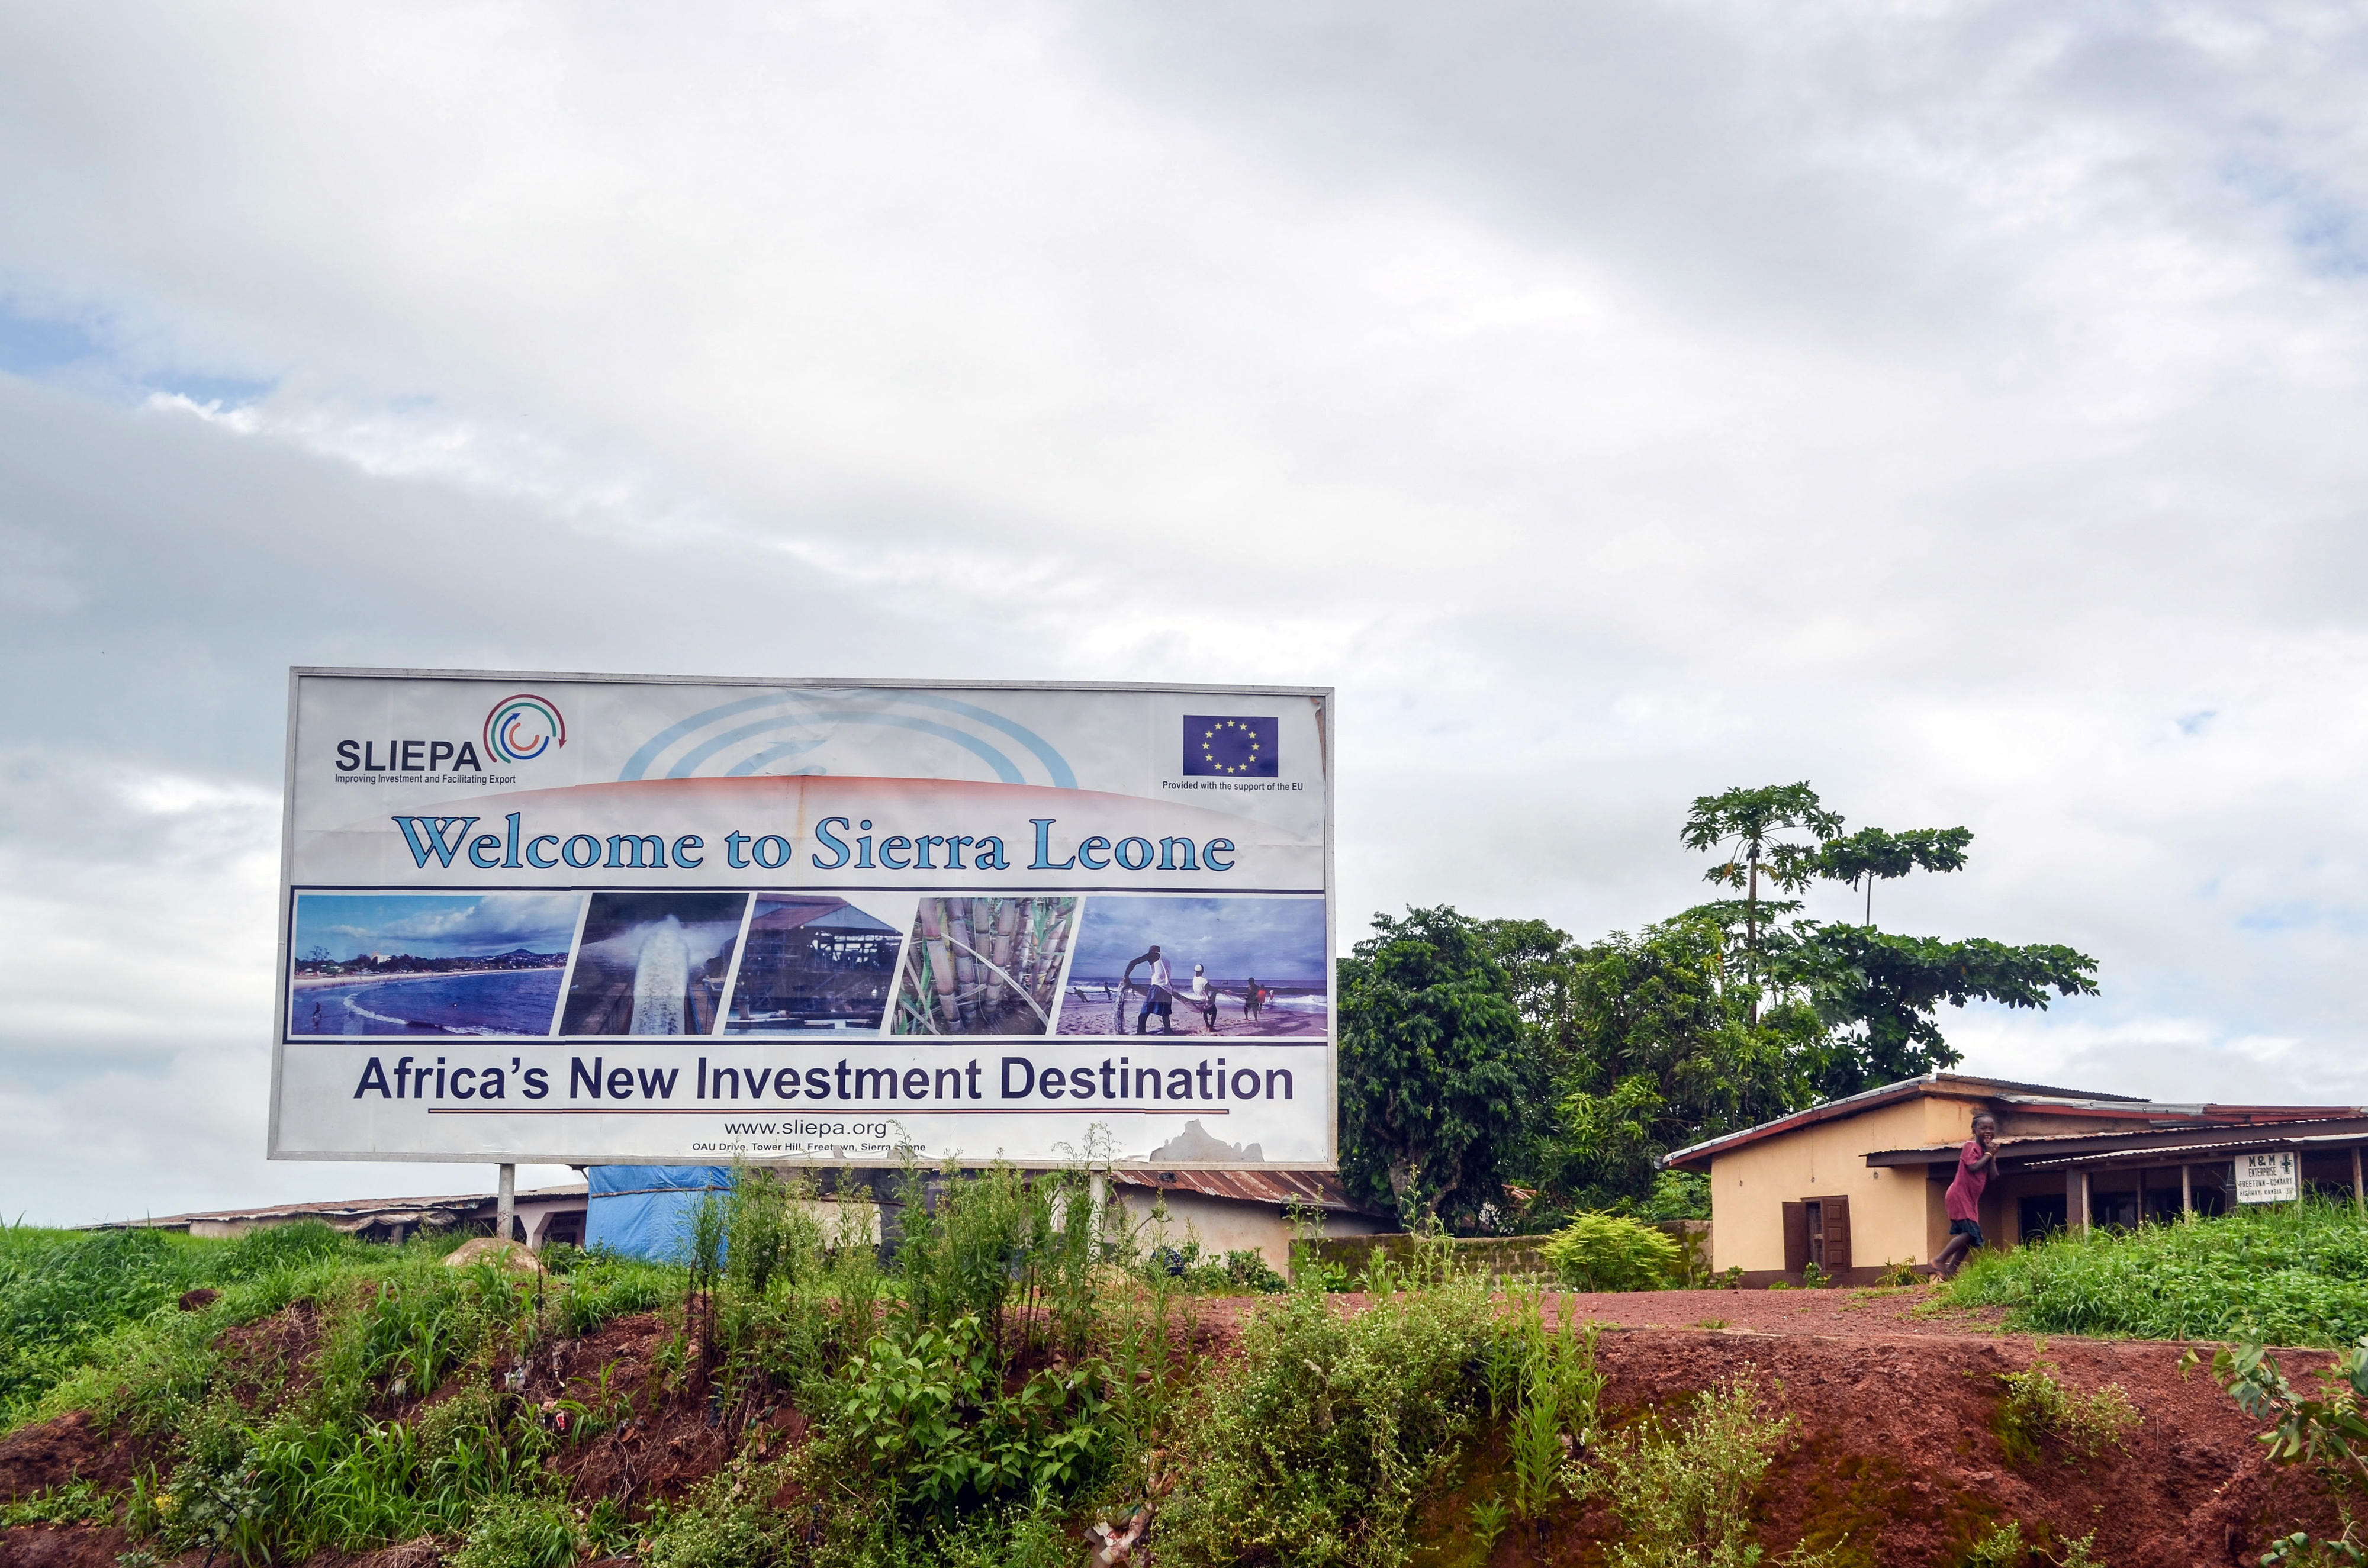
1889,987
1430,1070
1744,823
1479,1051
1630,1047
1871,854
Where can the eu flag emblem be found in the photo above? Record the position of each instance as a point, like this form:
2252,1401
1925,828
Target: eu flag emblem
1218,746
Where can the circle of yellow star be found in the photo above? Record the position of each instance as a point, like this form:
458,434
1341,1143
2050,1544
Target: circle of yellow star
1210,757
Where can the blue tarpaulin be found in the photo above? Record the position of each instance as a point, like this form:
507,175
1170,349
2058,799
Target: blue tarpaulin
644,1211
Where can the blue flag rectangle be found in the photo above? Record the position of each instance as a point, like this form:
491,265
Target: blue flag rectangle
1229,747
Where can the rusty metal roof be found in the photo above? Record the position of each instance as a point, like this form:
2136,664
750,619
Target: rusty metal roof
2028,1099
1320,1189
344,1213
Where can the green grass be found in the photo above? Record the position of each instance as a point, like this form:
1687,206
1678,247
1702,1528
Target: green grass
2282,1274
64,1295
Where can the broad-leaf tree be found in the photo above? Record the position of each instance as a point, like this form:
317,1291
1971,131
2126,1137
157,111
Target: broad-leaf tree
1474,1052
1431,1079
1871,854
1879,992
1745,823
1658,1048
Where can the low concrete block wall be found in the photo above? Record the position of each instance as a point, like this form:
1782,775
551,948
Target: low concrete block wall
1512,1257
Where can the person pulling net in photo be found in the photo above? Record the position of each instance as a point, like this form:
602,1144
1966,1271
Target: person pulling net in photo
1157,991
1204,997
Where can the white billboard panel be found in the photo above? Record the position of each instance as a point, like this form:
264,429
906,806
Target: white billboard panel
578,918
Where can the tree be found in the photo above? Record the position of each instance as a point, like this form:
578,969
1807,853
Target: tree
1871,854
1890,986
1749,820
1659,1048
1430,1077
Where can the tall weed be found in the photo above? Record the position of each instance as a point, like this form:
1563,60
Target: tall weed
1682,1497
1319,1442
2282,1274
2037,1406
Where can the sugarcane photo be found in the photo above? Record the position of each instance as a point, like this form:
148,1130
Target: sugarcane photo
983,966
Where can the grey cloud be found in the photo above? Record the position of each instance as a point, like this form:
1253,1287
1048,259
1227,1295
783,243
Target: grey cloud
1615,406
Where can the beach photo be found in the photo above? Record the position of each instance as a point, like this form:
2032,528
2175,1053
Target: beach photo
1175,965
652,964
428,963
983,966
812,962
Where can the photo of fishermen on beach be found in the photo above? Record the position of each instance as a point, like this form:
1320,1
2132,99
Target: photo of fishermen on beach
652,964
1157,965
983,966
428,963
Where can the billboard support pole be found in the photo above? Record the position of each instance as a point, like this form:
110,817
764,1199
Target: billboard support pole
505,1202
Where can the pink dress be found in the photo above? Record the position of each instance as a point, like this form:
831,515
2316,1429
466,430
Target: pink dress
1964,1200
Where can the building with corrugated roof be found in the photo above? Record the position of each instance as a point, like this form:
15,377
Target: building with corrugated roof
1857,1184
544,1214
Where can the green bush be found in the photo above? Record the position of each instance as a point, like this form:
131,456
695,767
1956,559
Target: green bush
1317,1444
60,1293
1683,1498
2002,1548
517,1531
2038,1406
2285,1274
726,1522
925,1414
1612,1252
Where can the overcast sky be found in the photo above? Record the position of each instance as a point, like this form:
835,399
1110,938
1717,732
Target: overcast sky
1959,406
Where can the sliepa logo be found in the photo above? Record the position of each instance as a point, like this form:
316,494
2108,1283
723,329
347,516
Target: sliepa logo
521,728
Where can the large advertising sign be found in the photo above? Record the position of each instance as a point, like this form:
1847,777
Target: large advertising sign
577,918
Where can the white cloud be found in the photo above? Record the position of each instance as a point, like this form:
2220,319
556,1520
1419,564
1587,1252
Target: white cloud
1944,405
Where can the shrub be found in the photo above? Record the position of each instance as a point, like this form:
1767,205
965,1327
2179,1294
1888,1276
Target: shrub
726,1522
2329,1431
1683,1499
1319,1443
2002,1548
60,1293
2037,1406
1247,1267
517,1531
1611,1251
973,1243
925,1414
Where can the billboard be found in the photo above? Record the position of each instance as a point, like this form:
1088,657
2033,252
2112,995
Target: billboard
577,918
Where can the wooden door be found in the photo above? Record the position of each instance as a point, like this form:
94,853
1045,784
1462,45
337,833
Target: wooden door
1838,1234
1797,1237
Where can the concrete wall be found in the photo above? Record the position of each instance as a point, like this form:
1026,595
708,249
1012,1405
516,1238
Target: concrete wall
1895,1215
1225,1224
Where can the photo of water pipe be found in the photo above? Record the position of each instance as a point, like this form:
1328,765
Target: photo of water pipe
983,966
652,964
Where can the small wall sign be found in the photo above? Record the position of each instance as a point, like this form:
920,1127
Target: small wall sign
2268,1178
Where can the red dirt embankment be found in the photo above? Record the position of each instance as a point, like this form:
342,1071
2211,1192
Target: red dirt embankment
1893,1446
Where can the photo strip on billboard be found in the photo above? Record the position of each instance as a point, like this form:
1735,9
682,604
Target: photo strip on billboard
584,920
